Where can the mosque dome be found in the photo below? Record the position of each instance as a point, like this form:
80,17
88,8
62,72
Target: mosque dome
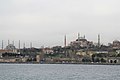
81,39
10,47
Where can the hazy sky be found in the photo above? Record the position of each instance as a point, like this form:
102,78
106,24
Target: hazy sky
45,22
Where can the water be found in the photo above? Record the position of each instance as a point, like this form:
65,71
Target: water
59,72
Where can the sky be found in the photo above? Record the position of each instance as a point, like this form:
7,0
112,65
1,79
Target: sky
46,22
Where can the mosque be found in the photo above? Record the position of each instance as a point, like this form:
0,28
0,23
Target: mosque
81,42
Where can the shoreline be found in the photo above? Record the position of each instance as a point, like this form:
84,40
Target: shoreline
61,63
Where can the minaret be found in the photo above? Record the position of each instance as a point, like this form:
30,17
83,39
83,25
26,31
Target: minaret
65,46
30,45
65,41
13,43
19,45
23,45
8,42
98,40
78,36
84,36
2,44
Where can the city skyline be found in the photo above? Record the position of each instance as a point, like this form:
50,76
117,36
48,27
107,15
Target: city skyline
45,22
20,44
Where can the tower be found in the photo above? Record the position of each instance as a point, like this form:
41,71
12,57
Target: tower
65,46
2,44
84,36
23,45
78,36
65,41
19,45
30,44
8,42
98,40
13,43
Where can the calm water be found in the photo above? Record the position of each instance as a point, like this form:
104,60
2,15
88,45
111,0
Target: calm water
59,72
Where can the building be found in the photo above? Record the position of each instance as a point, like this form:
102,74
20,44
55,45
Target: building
5,51
116,44
10,47
113,60
47,51
81,42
